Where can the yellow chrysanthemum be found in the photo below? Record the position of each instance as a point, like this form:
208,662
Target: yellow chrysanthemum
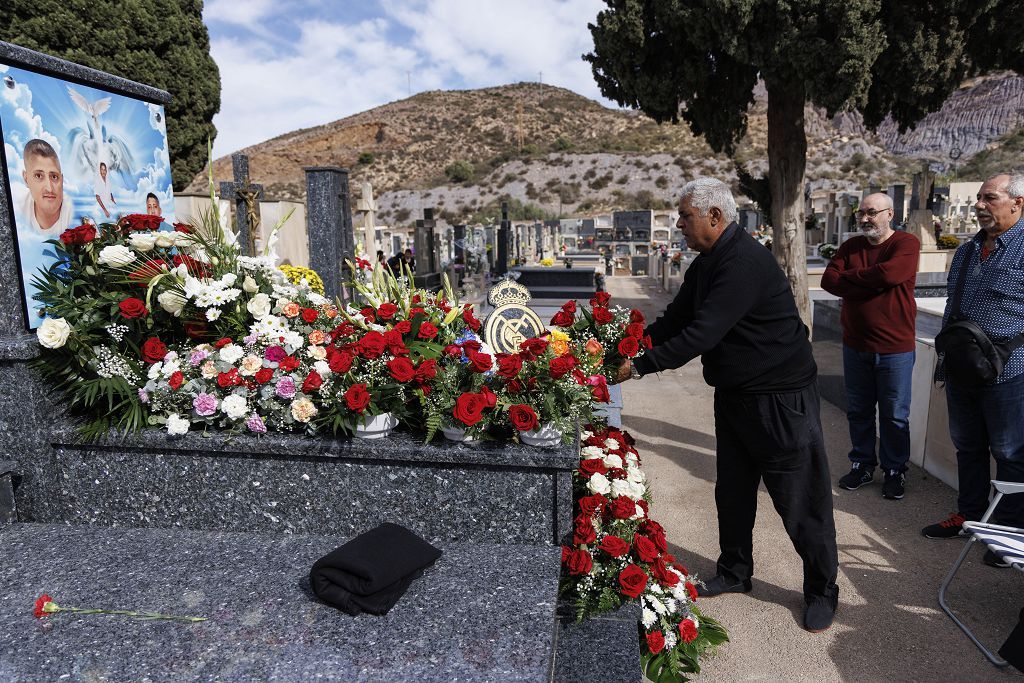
296,274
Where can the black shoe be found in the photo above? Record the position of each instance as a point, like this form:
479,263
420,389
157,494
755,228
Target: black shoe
894,486
993,560
719,584
952,527
859,475
819,613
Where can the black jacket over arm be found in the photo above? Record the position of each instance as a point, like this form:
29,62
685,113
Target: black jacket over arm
735,309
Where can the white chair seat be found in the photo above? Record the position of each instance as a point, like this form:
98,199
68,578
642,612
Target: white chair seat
1005,541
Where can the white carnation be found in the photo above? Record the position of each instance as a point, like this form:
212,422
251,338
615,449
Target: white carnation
177,425
636,491
53,332
116,256
322,368
611,444
154,370
235,406
232,353
293,339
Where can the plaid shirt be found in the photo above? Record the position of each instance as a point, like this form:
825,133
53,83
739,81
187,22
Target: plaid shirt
993,294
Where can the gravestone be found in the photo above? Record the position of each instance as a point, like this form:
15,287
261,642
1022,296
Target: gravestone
459,237
897,193
329,227
366,210
504,241
245,204
427,272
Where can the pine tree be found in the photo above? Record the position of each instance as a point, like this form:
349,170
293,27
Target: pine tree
162,43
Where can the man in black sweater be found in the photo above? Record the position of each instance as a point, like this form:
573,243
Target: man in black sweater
735,309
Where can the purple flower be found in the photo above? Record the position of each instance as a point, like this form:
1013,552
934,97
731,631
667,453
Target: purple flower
275,354
255,424
205,404
249,340
197,357
285,387
143,396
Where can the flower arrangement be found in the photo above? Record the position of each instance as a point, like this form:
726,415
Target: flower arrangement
308,277
606,334
618,554
827,251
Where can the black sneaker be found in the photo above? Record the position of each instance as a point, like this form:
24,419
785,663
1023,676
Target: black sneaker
894,486
952,527
858,476
819,614
993,560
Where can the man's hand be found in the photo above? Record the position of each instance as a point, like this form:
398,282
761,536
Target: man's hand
623,373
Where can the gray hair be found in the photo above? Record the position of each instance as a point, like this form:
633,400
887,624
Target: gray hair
1014,186
705,193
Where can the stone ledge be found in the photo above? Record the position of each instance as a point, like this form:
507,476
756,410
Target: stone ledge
481,613
19,347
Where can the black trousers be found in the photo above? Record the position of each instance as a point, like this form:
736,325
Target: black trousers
777,438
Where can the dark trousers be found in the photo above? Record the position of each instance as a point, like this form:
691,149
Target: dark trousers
987,423
777,438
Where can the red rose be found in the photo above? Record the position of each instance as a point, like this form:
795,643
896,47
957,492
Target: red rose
534,346
416,310
600,299
636,316
480,362
264,375
592,466
522,417
600,393
578,562
657,535
583,531
622,508
569,306
471,345
561,366
153,350
387,310
692,590
591,505
648,342
660,572
490,398
469,408
635,330
427,331
340,361
602,315
83,234
563,319
184,227
312,382
310,315
140,221
632,581
175,380
655,642
401,369
471,322
509,365
288,363
452,350
629,347
514,387
614,546
403,327
228,379
642,504
393,342
222,342
426,370
372,344
687,631
369,314
357,398
133,308
645,548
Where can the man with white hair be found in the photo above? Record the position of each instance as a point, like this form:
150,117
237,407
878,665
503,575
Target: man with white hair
735,310
987,422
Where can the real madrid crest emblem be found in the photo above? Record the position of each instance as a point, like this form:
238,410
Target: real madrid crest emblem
511,322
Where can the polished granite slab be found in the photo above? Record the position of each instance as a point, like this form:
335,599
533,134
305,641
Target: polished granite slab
482,613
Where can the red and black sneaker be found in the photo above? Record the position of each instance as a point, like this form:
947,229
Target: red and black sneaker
953,527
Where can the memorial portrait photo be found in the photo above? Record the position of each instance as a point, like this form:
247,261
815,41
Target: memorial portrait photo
75,154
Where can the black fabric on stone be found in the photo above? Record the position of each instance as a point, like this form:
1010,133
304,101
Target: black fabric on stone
372,571
1013,649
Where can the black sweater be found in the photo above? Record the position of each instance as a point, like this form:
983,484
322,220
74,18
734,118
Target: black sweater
735,309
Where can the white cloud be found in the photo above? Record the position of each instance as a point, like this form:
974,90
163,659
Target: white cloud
334,68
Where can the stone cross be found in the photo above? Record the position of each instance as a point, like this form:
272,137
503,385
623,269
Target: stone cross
366,208
329,228
245,202
501,264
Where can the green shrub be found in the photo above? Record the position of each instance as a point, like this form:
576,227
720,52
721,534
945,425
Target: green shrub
365,158
948,242
459,171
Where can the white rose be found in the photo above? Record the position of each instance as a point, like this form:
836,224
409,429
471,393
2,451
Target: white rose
249,285
612,460
599,484
636,491
165,239
142,241
620,487
259,306
177,425
116,256
229,279
234,406
611,444
231,353
171,301
53,332
591,452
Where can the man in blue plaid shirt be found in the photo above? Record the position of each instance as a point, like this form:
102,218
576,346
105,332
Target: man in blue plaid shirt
988,421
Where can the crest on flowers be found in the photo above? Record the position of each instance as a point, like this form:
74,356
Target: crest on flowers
512,322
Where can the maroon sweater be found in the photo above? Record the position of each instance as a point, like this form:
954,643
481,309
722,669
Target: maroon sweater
876,282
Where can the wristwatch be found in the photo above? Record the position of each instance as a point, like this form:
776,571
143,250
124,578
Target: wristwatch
633,372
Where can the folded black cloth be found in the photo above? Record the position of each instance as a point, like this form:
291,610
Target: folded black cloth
1013,649
373,570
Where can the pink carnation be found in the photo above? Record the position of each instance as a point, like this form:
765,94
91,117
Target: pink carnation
205,404
198,357
275,354
255,424
285,387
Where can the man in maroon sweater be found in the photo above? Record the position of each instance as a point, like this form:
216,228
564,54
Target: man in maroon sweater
874,273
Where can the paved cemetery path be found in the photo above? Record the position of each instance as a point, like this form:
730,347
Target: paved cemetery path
889,626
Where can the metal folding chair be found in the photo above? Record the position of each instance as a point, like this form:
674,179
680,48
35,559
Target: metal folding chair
1006,542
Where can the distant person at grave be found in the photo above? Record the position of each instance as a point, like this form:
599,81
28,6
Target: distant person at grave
987,422
735,310
396,261
874,273
104,195
380,257
45,207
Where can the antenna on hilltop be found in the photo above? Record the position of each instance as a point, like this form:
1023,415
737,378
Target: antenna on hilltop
519,125
408,83
540,76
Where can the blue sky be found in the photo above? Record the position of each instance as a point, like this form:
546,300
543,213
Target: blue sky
286,64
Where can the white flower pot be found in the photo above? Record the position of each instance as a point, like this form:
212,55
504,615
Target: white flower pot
375,426
544,435
459,435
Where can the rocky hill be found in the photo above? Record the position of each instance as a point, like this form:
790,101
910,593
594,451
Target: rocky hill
554,152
